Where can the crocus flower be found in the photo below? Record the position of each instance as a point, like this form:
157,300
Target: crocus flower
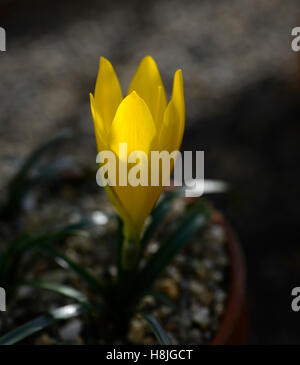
146,122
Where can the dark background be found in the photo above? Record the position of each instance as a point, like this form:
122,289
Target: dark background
242,90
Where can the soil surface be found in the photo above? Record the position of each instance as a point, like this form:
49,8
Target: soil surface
195,283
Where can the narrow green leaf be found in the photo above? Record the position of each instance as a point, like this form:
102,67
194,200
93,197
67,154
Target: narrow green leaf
44,321
38,153
156,328
20,185
60,289
47,238
156,217
161,297
14,252
69,264
50,173
196,220
8,258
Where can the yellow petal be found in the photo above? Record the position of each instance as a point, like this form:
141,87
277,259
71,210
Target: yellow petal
148,84
100,132
138,202
115,201
178,100
168,138
108,94
133,124
160,108
142,121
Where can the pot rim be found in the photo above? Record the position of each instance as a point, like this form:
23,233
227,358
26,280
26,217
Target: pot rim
237,274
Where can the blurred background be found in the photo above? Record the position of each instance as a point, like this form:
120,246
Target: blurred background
242,90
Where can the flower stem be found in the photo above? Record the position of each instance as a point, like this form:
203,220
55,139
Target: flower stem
130,254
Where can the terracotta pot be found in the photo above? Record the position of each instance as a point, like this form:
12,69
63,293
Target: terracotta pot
234,329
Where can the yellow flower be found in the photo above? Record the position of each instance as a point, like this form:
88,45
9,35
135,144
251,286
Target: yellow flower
144,121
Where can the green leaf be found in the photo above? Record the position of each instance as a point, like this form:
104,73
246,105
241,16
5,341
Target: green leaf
161,297
45,239
157,215
38,153
69,264
12,256
52,172
12,264
195,220
60,289
44,321
20,184
156,328
8,260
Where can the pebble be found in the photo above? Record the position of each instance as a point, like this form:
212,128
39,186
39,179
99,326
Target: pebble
204,296
71,330
137,331
201,316
178,206
220,295
152,248
113,271
219,309
215,234
174,273
195,336
216,276
148,301
164,311
168,287
100,218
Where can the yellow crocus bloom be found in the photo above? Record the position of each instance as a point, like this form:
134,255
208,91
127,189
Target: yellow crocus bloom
146,122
